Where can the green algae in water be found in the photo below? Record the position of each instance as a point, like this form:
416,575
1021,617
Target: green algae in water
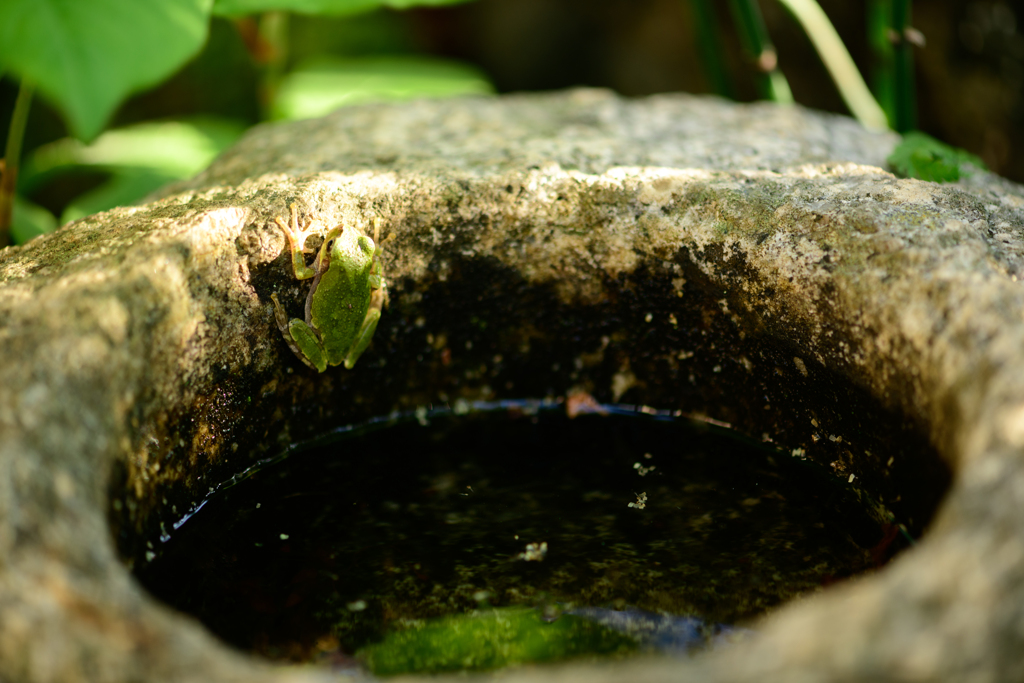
490,639
334,548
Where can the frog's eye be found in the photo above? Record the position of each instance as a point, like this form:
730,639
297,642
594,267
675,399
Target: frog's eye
366,245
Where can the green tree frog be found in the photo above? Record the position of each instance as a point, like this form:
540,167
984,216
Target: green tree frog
345,299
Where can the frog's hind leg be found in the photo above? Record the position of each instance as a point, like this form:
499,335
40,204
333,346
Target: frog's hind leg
296,337
363,337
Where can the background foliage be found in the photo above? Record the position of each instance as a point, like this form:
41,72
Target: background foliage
253,62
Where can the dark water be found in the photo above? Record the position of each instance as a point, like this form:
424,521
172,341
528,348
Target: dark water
325,550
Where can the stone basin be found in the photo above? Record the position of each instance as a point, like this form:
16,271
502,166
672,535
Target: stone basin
749,263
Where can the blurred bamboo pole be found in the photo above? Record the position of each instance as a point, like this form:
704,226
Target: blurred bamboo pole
12,156
710,48
754,36
904,38
879,27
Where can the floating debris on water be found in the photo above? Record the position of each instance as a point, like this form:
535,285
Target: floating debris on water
535,552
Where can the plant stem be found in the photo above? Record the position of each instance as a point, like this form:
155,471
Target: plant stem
904,93
754,36
9,179
710,48
837,60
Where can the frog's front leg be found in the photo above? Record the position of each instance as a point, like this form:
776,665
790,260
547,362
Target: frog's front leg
297,244
300,337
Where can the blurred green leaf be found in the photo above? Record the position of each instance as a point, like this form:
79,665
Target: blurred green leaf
922,156
140,159
176,148
235,8
29,220
323,86
86,56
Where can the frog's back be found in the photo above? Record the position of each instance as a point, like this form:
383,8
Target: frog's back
339,315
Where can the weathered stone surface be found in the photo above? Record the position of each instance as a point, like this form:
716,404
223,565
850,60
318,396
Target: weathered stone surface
542,243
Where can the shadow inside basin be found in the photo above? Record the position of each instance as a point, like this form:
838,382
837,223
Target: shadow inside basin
323,552
328,549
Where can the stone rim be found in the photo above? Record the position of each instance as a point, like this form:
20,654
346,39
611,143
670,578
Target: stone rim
952,348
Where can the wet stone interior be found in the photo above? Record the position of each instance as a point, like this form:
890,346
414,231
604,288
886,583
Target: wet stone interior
325,551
